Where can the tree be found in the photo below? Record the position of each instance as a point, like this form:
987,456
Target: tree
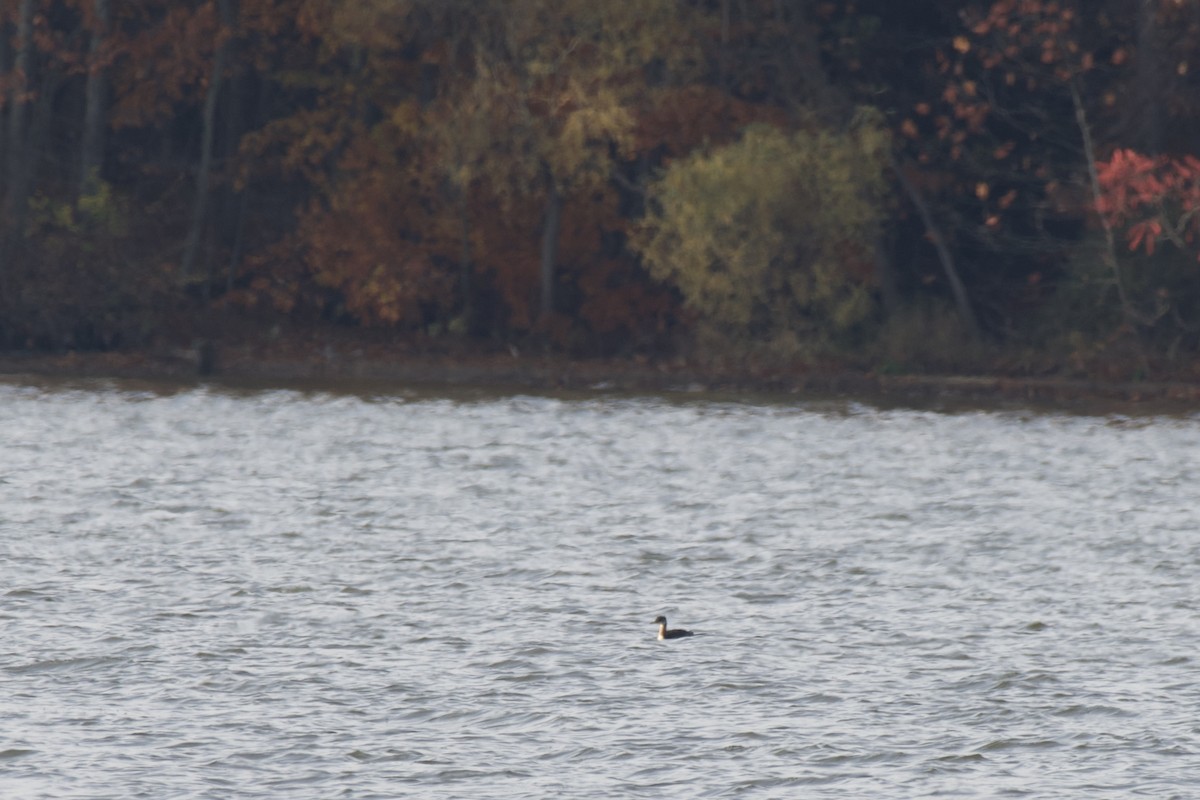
560,83
1056,52
223,31
368,244
1155,201
91,149
771,236
17,174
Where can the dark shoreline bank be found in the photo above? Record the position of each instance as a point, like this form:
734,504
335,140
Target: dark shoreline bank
383,368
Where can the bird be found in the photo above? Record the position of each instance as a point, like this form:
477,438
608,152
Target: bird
663,633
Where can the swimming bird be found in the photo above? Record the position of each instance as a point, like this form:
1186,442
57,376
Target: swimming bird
663,633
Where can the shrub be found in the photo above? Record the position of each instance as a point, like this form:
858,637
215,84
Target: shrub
775,233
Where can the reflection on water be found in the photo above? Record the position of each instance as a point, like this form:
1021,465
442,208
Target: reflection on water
284,594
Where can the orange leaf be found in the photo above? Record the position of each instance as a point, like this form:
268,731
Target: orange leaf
1135,235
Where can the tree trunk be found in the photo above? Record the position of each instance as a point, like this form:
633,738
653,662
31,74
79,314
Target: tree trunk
239,240
1110,239
5,110
1150,93
191,247
961,301
231,203
885,276
466,277
249,83
723,81
18,156
19,165
95,97
808,86
5,98
550,230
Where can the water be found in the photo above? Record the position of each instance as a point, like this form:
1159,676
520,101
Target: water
279,594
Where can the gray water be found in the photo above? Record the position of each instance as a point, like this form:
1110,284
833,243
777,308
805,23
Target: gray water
282,594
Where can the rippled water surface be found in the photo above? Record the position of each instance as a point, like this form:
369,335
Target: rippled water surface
209,593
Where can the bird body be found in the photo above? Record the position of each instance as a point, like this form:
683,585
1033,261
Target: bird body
663,633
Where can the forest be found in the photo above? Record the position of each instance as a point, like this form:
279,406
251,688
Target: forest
918,185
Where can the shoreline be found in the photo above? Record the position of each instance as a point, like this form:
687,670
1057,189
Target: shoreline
384,368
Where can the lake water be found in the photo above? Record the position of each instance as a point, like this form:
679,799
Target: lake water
213,593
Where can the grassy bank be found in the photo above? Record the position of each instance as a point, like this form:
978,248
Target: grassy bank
334,357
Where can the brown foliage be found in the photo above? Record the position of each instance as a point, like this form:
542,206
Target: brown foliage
394,162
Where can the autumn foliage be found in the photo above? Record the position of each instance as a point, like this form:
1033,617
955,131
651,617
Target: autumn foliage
599,175
764,235
1152,199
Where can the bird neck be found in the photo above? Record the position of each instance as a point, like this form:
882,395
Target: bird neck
662,630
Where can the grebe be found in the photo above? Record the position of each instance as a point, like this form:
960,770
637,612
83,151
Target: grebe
663,633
